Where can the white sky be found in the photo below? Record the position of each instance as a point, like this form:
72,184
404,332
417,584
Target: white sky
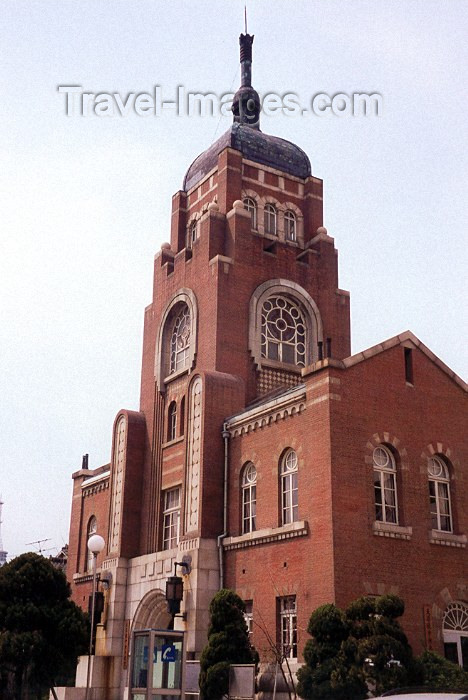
85,202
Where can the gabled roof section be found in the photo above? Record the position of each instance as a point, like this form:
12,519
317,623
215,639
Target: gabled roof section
406,339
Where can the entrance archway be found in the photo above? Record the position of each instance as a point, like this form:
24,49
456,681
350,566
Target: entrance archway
152,612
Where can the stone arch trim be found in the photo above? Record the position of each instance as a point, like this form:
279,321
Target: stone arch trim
194,454
387,438
151,612
182,296
442,600
440,448
119,459
299,294
252,195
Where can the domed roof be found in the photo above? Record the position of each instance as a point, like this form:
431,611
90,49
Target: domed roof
245,135
254,145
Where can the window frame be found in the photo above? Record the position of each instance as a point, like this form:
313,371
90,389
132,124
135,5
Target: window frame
192,233
455,630
270,219
90,530
249,499
176,352
290,226
172,421
287,632
171,518
280,331
251,206
289,487
439,483
385,473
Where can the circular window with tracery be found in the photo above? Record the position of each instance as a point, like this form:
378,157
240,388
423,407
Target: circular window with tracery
283,336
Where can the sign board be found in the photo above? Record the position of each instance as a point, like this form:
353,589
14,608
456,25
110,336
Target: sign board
168,653
192,671
242,681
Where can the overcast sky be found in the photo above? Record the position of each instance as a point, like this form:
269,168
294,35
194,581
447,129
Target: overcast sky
85,201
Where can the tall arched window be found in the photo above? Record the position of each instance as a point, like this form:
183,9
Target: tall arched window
439,494
290,225
386,506
270,218
289,490
192,232
455,633
249,498
251,206
180,340
283,331
172,421
91,530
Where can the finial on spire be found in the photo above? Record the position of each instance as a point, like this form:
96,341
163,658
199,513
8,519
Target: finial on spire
245,17
246,103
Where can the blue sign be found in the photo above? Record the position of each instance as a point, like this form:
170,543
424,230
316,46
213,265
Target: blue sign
168,653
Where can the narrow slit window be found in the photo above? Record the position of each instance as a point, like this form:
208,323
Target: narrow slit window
409,365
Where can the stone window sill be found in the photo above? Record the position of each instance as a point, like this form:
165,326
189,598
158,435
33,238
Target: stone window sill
176,440
397,532
447,538
175,375
274,534
273,364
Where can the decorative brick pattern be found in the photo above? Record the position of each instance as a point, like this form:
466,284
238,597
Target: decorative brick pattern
269,379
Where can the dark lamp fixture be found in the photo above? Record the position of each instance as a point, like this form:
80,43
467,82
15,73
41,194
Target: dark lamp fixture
174,594
175,589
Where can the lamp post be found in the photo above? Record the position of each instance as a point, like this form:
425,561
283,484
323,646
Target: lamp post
95,545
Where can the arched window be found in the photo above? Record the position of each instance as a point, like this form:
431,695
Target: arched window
386,506
249,498
172,421
251,206
180,340
289,492
290,225
455,633
283,331
192,232
439,494
92,529
270,216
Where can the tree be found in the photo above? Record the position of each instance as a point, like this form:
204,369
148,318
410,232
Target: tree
330,670
442,674
361,648
42,632
382,648
228,643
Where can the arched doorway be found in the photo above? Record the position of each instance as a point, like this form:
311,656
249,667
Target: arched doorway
152,612
455,633
157,652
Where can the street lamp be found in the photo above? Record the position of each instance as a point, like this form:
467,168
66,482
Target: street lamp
175,589
95,545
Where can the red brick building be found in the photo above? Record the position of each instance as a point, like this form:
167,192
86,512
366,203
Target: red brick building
264,454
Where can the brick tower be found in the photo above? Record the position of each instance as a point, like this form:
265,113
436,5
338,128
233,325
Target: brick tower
258,450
